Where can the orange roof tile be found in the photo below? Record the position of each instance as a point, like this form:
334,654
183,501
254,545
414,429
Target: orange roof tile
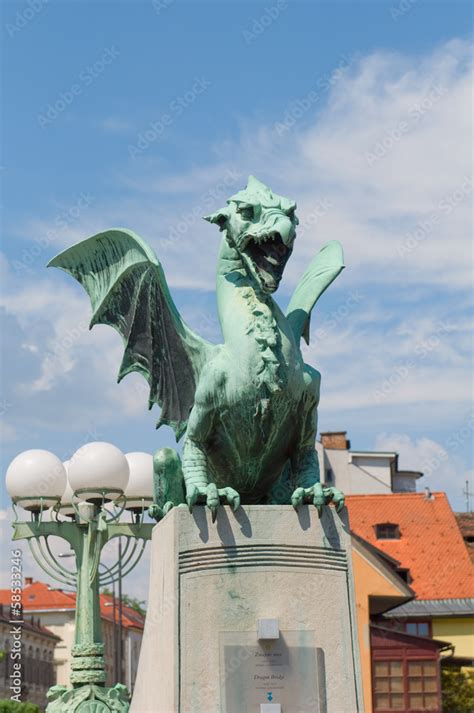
39,596
430,544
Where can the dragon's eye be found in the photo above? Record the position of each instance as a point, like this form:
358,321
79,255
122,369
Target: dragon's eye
245,211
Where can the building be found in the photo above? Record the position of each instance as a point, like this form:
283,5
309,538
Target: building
365,472
57,610
419,533
380,586
37,645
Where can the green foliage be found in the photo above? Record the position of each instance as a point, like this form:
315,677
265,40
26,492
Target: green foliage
7,706
457,689
135,604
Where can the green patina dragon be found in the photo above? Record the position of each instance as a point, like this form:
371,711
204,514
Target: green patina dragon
248,407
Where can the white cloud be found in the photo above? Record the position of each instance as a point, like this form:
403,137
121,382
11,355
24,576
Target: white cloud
442,468
405,216
404,220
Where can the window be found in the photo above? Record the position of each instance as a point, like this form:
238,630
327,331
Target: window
422,685
418,628
404,574
329,475
388,685
387,531
402,685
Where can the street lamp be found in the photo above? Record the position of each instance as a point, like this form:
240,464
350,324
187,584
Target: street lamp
90,491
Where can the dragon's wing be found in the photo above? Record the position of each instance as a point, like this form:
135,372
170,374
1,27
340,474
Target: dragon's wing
128,291
322,270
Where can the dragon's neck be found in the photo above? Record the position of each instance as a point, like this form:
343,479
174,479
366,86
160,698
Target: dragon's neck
249,319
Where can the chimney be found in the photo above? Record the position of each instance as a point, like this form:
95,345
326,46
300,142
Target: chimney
28,581
335,440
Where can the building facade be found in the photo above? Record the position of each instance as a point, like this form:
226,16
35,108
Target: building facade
32,646
420,533
361,472
57,608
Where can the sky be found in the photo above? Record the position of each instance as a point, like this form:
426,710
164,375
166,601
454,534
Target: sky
148,115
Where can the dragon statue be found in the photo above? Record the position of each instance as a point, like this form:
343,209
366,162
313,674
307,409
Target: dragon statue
248,407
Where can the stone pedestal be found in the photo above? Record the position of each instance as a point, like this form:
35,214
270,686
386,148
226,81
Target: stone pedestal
251,614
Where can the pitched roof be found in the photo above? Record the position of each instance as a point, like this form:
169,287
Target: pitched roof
130,617
38,596
434,607
430,544
31,624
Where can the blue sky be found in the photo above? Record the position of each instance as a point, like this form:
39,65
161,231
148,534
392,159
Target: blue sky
149,115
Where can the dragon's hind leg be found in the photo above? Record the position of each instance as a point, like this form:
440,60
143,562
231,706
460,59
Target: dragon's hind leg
168,483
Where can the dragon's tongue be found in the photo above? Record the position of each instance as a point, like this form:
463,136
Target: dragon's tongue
268,279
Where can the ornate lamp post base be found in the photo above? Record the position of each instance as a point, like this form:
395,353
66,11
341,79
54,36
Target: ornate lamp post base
88,699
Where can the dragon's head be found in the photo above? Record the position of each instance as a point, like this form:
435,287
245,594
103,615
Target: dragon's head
261,227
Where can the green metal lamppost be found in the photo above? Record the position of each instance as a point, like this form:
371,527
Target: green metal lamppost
82,502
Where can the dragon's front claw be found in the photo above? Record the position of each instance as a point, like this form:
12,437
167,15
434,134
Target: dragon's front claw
155,512
192,496
337,497
230,496
298,497
318,496
158,513
212,497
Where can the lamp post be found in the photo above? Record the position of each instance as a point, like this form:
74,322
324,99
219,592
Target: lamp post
86,498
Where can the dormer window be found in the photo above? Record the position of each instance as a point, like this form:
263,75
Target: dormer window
387,531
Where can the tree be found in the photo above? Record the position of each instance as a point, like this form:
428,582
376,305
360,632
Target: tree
7,706
457,689
135,604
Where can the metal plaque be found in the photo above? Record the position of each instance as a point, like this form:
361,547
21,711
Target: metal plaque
288,671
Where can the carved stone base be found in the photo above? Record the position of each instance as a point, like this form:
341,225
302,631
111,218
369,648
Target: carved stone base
88,699
256,608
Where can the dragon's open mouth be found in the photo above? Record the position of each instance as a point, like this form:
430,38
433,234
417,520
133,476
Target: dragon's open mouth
268,256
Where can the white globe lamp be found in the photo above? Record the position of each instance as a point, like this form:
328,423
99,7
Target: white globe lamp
98,472
36,480
139,491
66,506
